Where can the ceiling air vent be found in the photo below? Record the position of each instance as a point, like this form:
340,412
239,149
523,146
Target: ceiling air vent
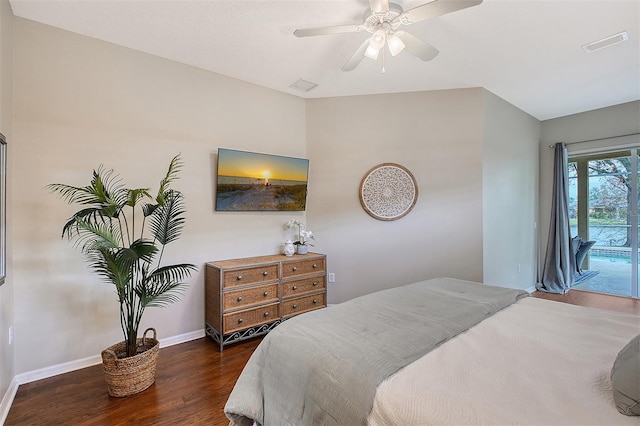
303,85
606,42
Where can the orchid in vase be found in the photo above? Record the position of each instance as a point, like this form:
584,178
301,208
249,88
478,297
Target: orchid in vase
304,235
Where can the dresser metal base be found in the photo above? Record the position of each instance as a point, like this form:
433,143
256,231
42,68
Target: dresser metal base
238,336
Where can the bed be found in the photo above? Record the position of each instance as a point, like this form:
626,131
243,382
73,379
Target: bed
441,351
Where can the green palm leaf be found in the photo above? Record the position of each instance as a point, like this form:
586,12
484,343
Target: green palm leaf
135,195
105,194
164,285
167,222
148,209
107,265
90,214
105,189
96,236
172,174
142,250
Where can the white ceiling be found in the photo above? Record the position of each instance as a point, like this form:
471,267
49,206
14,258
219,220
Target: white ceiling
528,52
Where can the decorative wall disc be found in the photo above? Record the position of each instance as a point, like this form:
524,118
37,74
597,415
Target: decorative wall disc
388,191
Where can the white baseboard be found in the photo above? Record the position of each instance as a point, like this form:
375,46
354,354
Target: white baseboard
531,289
66,367
181,338
7,400
54,370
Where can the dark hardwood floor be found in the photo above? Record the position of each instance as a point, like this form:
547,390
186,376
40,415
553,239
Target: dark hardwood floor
192,385
193,382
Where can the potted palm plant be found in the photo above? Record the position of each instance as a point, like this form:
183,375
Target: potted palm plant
122,233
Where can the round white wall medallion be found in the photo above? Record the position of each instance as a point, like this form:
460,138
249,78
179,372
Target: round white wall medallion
388,191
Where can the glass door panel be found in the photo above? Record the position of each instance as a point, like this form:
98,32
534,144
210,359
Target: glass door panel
635,214
573,197
606,201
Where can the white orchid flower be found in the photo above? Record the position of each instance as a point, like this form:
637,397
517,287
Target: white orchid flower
303,234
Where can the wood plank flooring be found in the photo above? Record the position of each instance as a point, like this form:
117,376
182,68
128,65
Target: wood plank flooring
594,300
193,383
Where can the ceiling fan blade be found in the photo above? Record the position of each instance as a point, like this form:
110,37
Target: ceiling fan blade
434,9
328,30
417,47
353,62
379,6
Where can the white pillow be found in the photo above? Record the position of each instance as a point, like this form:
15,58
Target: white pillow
625,378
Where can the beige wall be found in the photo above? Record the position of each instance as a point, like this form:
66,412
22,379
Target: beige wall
510,176
600,124
6,128
80,102
475,159
438,137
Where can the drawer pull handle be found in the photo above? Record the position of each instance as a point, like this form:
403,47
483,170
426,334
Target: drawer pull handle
240,321
239,277
295,287
315,283
265,273
315,301
295,268
266,293
295,306
315,266
266,314
239,299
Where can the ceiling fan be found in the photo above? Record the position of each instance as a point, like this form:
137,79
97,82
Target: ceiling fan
384,21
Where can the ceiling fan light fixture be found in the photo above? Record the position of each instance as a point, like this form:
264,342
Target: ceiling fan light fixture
382,21
371,52
395,44
377,39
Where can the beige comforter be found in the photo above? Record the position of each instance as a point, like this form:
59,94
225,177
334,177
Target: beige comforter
536,362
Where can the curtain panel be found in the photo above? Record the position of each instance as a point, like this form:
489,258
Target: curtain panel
559,271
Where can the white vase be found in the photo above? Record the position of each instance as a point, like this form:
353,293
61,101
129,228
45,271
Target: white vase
303,249
289,248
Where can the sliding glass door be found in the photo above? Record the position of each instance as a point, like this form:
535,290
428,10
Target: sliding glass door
603,205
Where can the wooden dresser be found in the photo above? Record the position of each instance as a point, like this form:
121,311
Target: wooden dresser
248,297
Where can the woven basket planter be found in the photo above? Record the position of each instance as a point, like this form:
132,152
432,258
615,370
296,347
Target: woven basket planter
129,375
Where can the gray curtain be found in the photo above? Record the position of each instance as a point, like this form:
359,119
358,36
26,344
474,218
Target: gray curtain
559,271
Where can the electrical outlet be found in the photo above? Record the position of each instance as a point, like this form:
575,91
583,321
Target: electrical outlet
332,277
11,335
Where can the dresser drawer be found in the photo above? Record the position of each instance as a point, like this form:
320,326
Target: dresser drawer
250,317
302,267
303,304
306,285
254,275
250,296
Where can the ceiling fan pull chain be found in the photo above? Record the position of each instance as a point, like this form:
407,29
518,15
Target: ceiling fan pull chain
383,70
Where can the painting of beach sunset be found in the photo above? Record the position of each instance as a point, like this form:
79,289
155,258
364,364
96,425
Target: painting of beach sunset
251,181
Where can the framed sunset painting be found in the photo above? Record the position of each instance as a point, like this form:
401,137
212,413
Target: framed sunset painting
251,181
